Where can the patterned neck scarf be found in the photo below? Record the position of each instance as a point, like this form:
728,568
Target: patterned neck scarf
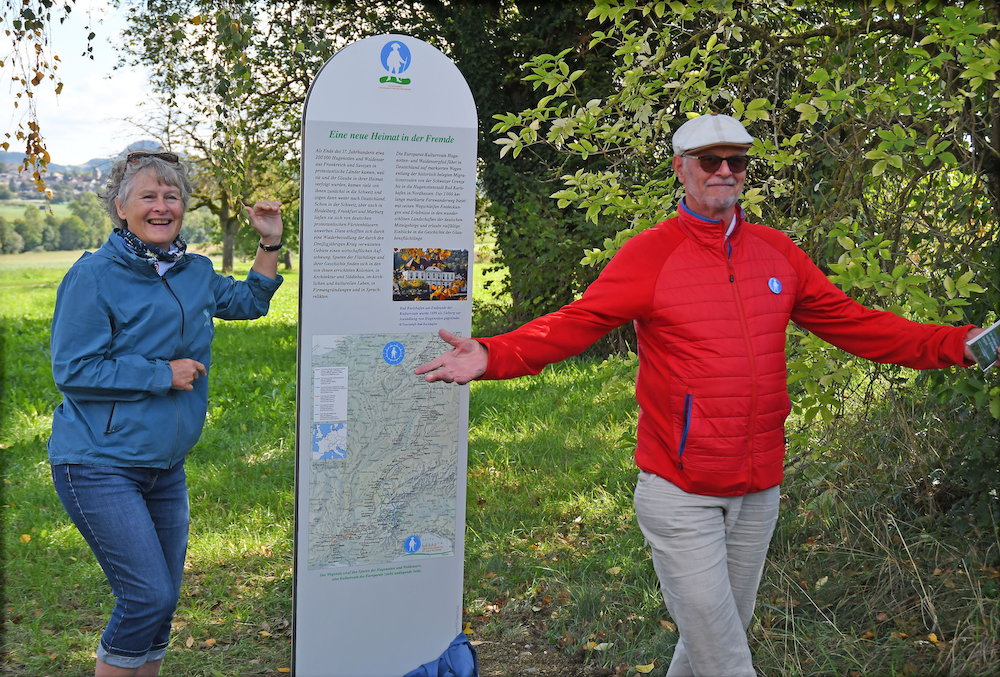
149,252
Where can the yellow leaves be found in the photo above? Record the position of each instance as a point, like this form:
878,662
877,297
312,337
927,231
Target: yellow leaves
645,669
468,628
26,538
284,669
821,582
614,571
189,642
933,638
668,626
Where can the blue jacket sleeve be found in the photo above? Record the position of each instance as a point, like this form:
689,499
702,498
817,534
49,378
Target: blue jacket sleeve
81,346
246,300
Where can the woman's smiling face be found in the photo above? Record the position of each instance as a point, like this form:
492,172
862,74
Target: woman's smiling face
153,211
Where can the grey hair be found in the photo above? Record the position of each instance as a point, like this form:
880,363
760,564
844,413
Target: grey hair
122,176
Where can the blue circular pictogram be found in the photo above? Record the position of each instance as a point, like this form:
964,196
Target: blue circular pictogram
395,57
412,544
393,352
774,285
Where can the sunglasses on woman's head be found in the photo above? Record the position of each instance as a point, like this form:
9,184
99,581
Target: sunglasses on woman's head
711,163
172,158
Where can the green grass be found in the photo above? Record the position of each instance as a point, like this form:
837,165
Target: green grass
16,268
14,209
864,543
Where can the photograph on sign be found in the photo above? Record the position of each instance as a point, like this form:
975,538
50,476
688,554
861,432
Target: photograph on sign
431,274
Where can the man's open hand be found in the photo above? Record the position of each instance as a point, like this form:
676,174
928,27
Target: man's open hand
466,361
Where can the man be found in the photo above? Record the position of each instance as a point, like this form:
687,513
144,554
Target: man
711,296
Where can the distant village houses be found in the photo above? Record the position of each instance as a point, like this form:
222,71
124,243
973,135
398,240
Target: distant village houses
18,184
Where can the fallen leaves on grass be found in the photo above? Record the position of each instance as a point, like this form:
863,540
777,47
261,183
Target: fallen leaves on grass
668,626
645,669
25,538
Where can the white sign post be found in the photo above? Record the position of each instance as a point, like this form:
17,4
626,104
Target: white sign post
387,228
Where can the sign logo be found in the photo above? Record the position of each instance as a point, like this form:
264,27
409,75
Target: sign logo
774,285
393,352
395,59
412,544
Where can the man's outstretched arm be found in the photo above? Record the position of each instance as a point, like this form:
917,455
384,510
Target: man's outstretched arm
466,361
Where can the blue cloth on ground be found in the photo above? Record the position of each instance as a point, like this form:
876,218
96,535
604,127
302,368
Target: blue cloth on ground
458,660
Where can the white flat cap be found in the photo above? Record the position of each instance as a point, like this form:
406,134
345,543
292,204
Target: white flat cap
710,130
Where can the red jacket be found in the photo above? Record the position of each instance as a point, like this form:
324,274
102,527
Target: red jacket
710,316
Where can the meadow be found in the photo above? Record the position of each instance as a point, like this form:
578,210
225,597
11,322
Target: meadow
14,209
869,572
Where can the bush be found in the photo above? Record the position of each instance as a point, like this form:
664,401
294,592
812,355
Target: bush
10,241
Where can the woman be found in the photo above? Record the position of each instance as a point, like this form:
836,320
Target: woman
131,354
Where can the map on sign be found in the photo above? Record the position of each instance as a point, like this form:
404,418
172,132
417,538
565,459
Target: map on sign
329,440
382,481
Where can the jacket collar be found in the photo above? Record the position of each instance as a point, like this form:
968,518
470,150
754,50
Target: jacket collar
707,232
115,250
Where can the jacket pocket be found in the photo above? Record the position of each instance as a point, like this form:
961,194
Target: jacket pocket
110,427
688,406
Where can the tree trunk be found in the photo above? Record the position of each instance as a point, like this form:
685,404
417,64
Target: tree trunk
286,259
229,225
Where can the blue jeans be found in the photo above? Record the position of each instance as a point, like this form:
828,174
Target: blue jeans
136,523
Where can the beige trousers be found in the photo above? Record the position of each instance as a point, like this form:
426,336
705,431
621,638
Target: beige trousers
708,553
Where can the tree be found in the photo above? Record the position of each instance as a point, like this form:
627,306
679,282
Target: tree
30,228
74,233
50,233
91,212
10,241
231,78
878,150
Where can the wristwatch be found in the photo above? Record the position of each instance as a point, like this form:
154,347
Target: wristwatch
270,248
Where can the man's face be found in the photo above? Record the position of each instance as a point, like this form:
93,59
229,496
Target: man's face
710,194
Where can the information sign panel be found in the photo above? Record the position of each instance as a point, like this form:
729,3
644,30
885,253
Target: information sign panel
387,226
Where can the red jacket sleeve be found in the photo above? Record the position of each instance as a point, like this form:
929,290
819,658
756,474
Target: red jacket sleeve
878,335
622,292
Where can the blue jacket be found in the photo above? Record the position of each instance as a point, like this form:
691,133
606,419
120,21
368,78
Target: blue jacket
117,325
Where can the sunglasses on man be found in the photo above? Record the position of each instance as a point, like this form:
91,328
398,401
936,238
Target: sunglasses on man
711,163
172,158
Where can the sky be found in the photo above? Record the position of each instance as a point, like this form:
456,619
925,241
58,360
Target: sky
87,120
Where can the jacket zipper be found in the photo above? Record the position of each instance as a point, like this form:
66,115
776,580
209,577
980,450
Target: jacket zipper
111,416
688,401
177,435
167,285
750,356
